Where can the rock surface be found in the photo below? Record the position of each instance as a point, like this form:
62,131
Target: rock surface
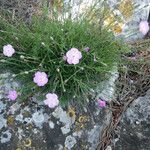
135,126
32,125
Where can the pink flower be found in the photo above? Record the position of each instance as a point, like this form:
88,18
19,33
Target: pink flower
40,78
12,95
144,27
87,49
8,50
73,56
51,100
101,103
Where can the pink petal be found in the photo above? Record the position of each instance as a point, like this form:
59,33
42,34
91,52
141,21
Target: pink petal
40,78
101,103
75,61
144,27
69,61
12,95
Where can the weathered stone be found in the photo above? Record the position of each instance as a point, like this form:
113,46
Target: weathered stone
32,124
135,126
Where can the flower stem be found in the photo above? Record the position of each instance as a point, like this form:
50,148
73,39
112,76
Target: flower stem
62,82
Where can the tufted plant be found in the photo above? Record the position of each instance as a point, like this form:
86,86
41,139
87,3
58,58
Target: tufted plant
43,45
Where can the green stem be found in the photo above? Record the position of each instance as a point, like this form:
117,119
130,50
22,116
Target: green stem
62,82
72,75
21,73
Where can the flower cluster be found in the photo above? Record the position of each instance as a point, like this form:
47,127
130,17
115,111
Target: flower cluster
73,56
63,62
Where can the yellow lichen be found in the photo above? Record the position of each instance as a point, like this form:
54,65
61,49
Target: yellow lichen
18,148
117,28
80,124
109,20
65,148
30,126
82,119
71,113
27,142
126,7
10,120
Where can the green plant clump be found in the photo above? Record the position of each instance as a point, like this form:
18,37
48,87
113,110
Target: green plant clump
42,46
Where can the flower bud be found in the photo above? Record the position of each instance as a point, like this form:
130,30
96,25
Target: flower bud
22,57
43,44
26,72
58,70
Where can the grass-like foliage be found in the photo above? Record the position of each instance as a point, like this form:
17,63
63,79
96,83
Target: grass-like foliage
42,46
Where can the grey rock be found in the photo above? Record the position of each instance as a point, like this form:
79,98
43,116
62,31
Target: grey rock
135,126
93,136
106,89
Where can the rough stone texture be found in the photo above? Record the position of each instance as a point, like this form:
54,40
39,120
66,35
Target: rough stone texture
32,125
106,89
135,126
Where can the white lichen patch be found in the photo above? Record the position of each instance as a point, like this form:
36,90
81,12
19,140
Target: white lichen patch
78,134
51,125
60,114
28,120
5,136
3,122
2,106
70,142
19,118
65,129
39,118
